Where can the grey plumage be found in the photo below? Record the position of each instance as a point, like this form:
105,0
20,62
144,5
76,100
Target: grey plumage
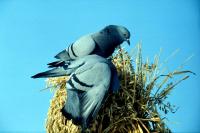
91,75
91,78
102,43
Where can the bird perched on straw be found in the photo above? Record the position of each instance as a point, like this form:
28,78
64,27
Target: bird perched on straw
92,76
102,43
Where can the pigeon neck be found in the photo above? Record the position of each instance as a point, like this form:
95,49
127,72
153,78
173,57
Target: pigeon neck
106,43
98,50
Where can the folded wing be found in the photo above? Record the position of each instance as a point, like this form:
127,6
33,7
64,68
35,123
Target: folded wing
89,88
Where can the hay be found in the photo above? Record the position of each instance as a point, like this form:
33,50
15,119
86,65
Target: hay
134,109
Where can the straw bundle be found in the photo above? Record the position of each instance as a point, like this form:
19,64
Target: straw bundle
134,109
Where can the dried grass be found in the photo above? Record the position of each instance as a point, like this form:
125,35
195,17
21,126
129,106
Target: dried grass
134,109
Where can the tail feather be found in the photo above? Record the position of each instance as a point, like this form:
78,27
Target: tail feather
56,64
56,72
63,55
52,63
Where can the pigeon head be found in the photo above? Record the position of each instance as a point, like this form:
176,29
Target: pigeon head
121,33
109,38
124,34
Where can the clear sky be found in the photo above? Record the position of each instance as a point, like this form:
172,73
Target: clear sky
32,32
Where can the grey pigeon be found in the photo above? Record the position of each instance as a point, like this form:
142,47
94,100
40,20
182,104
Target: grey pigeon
102,43
91,78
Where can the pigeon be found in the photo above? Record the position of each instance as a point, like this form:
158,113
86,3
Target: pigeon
92,77
102,43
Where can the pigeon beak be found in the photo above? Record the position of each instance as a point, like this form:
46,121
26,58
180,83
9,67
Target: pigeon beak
128,41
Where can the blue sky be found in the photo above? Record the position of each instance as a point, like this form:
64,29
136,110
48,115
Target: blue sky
32,32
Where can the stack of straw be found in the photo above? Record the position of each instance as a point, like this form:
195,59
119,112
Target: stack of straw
134,109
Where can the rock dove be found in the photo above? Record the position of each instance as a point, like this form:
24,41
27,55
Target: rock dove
102,43
91,78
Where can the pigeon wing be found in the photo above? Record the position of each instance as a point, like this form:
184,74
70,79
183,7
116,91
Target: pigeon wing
92,85
81,47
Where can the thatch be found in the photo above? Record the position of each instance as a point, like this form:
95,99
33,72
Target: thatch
134,109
